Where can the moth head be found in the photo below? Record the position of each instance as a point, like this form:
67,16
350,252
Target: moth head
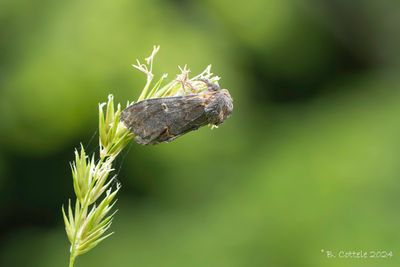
219,106
227,107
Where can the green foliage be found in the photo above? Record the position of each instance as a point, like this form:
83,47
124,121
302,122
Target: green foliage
113,136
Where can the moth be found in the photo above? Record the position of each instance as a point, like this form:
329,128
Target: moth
164,119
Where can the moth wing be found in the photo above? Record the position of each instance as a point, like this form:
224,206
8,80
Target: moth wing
183,117
162,119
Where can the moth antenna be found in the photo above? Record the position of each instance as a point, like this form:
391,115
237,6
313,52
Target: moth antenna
211,86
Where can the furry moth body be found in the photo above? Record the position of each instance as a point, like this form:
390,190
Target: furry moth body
164,119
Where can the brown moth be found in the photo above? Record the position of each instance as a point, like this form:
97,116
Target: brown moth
164,119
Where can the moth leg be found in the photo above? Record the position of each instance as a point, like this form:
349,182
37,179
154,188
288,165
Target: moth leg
211,86
183,86
191,87
184,83
165,135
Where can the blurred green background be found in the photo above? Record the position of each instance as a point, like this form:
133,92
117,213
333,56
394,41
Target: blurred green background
309,161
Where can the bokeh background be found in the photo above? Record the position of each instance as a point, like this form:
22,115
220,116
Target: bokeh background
309,161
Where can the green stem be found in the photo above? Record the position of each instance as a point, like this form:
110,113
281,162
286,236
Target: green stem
146,87
72,258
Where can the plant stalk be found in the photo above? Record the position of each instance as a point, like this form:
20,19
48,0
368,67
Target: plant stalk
72,258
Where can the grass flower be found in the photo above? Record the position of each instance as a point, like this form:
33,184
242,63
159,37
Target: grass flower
88,220
87,224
